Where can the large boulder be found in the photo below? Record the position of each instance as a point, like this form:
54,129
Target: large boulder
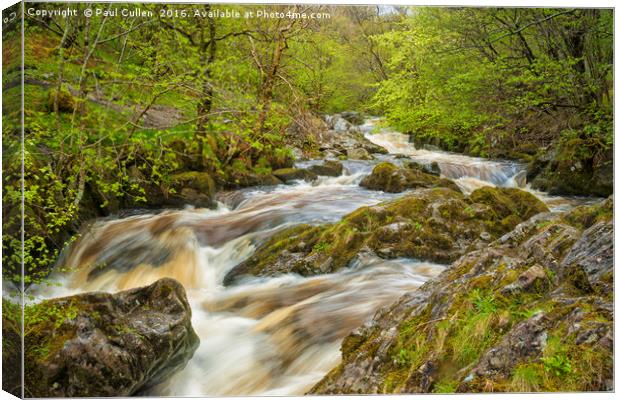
392,179
515,315
437,224
107,345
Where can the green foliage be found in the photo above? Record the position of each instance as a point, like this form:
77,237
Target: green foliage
478,89
321,247
44,313
558,364
445,386
484,303
526,378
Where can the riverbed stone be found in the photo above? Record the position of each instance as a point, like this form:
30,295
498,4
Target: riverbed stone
428,168
359,154
106,345
392,179
289,175
327,168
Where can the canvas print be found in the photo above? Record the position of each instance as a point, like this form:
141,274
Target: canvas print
211,199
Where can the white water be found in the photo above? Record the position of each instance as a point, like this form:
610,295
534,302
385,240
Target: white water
469,173
265,336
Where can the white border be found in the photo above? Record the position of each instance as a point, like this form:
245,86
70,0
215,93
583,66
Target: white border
476,3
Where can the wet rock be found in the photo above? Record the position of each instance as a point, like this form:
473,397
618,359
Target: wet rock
464,328
431,147
432,168
359,154
437,224
555,172
247,179
353,117
328,168
392,179
339,124
288,175
107,345
343,137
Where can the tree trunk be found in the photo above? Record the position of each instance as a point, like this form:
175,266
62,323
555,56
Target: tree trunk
266,91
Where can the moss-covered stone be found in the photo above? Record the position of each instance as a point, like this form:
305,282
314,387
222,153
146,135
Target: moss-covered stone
241,179
191,187
292,174
559,172
105,345
465,331
328,168
437,224
66,101
392,179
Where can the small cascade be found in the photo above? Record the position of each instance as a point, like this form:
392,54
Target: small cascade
469,173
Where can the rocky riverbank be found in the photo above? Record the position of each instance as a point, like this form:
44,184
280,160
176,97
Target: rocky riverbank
532,311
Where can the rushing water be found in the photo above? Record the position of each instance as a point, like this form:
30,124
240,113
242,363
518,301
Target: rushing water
267,336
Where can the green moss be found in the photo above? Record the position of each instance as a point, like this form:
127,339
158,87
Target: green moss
509,201
584,217
390,178
201,181
66,101
445,386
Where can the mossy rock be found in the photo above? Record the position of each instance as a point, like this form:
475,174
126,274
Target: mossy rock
507,202
191,187
436,224
107,345
560,174
392,179
292,174
66,101
200,181
241,179
432,168
328,168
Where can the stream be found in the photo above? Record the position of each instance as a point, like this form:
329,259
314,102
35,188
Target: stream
275,335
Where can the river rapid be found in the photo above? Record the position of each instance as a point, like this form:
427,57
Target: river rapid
277,335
